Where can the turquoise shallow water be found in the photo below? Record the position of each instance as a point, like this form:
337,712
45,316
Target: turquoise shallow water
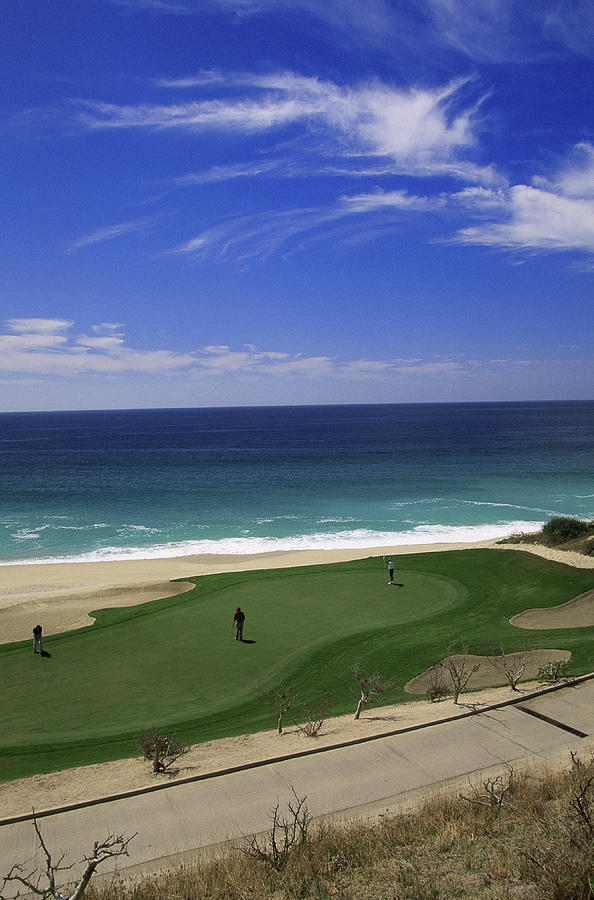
147,483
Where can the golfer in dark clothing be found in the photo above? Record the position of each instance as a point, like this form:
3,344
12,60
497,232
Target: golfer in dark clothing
391,572
238,620
37,639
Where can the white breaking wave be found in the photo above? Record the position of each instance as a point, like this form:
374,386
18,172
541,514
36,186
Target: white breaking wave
340,540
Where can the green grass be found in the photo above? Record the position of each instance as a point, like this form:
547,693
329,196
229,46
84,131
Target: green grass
172,664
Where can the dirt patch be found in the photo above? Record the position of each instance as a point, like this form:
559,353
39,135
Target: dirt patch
490,670
576,613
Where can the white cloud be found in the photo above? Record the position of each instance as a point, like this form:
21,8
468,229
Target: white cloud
40,348
576,178
539,220
38,326
551,214
44,347
480,198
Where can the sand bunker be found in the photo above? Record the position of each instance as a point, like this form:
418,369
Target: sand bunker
63,611
490,671
576,613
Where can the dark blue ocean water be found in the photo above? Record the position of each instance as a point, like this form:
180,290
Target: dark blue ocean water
148,483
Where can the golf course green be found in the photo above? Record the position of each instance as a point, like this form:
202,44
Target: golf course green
173,664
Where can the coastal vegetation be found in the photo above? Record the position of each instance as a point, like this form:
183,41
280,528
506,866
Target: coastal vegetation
526,835
171,666
561,532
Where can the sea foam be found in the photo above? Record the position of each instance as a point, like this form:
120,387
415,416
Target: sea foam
360,538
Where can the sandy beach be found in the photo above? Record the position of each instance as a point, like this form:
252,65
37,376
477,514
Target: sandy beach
62,595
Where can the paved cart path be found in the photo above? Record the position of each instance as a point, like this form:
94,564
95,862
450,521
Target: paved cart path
184,820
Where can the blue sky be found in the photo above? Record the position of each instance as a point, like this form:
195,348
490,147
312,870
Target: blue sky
231,202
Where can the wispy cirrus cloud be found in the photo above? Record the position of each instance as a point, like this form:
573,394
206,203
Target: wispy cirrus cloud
425,131
259,169
110,233
511,30
372,19
483,30
371,130
259,236
546,216
378,201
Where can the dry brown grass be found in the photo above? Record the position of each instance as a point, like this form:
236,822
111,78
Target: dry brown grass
537,845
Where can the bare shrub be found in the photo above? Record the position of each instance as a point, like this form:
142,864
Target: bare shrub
494,790
460,670
281,700
44,884
558,852
162,749
581,801
368,687
437,688
553,671
287,833
511,665
316,716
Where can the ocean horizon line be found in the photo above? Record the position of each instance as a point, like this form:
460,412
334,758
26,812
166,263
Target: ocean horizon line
281,406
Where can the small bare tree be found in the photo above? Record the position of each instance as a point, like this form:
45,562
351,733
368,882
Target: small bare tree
43,883
368,687
162,749
281,700
512,665
288,833
460,670
316,716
